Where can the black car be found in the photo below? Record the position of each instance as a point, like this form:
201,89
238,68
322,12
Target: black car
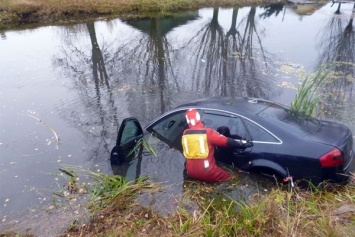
284,144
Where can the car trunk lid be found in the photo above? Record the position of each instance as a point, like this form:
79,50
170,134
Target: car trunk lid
336,135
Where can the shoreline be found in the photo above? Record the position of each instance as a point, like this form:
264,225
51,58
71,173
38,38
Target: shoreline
23,13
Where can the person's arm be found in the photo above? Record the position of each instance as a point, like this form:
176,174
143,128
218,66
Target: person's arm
218,139
236,143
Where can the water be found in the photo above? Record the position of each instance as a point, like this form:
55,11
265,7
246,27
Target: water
65,90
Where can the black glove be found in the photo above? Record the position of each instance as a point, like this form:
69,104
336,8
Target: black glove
248,144
245,143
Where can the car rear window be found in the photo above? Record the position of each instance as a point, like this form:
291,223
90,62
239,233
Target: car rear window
298,125
259,134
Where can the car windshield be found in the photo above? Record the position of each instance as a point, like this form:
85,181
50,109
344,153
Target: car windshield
298,125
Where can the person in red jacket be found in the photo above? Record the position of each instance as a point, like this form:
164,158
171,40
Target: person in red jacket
199,144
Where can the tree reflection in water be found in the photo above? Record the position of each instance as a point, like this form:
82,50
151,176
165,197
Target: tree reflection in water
95,113
337,47
234,63
152,66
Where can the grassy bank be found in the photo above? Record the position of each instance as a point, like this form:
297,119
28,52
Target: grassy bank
206,210
14,12
281,212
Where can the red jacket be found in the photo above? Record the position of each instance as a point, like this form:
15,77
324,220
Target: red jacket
201,164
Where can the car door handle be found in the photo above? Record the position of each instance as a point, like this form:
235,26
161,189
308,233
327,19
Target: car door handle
238,151
170,124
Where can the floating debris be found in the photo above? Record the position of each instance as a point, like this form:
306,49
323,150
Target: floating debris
49,127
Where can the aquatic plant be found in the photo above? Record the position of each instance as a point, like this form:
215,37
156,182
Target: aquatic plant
103,189
306,99
143,143
106,188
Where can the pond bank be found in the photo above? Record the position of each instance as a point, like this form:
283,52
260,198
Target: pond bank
286,211
23,12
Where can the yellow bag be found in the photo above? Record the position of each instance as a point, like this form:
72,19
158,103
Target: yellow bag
194,144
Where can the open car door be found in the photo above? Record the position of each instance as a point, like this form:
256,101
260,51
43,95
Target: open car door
169,128
129,135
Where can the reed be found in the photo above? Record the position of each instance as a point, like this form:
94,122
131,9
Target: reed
306,99
144,144
103,189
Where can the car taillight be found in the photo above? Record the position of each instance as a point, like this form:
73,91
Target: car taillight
332,158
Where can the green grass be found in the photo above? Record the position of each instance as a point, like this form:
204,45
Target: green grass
281,212
306,99
102,189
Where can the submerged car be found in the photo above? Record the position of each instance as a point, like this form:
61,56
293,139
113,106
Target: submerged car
284,145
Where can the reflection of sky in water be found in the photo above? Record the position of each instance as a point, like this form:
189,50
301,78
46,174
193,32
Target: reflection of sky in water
36,82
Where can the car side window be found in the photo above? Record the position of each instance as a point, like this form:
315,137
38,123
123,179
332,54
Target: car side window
235,124
259,134
131,130
171,127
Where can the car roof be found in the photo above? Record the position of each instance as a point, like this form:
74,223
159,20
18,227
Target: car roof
270,115
240,105
265,112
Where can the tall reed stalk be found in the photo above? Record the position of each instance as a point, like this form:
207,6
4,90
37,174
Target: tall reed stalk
306,100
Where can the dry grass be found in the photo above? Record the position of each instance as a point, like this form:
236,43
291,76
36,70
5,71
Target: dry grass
282,212
206,210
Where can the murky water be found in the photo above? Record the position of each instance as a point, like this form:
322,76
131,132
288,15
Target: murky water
65,89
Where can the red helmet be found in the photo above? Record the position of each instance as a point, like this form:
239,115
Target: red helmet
193,117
